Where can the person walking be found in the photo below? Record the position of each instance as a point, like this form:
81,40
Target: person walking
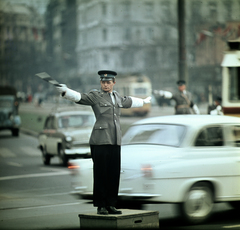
183,99
105,140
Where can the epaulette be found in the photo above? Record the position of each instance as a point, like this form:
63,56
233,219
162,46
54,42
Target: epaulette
93,90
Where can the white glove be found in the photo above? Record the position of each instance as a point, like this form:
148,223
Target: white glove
62,90
217,111
195,109
147,100
68,93
163,93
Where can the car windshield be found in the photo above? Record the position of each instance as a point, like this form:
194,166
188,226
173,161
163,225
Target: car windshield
76,121
6,102
157,134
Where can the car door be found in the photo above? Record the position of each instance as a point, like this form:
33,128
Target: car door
49,129
215,159
233,140
56,136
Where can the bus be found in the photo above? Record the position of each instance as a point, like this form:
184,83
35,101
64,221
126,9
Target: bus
134,85
231,79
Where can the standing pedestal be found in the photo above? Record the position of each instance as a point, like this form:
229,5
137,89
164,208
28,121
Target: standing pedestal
128,219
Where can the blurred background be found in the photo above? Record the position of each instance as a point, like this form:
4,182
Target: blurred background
165,40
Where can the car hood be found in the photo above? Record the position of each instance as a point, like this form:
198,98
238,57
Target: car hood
135,155
79,134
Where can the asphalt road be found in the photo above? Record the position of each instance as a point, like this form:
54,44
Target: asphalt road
34,196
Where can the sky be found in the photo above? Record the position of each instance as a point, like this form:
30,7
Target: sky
40,5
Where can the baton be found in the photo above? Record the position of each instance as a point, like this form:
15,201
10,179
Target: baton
44,76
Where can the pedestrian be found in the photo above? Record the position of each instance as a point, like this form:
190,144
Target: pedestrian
105,140
183,99
217,107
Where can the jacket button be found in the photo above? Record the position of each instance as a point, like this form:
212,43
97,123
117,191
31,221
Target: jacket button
100,127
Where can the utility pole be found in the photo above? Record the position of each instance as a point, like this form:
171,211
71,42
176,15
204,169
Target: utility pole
182,62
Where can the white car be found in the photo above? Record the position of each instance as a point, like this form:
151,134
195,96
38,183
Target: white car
190,160
66,135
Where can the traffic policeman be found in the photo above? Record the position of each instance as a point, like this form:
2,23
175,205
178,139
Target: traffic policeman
183,99
105,140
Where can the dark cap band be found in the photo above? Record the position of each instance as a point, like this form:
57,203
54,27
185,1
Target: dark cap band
107,75
181,82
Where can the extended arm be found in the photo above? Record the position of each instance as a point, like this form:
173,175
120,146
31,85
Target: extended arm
138,102
163,93
69,93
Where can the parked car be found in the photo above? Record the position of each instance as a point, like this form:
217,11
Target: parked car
66,135
190,160
9,103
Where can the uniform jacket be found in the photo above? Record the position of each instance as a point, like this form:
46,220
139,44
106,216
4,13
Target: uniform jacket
107,128
183,102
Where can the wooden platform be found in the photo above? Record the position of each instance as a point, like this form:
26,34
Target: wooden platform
127,220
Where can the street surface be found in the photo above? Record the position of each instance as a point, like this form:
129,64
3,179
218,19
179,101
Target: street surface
34,196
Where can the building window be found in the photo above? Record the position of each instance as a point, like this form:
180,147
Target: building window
104,9
104,35
138,35
212,11
228,9
150,34
127,34
126,9
148,9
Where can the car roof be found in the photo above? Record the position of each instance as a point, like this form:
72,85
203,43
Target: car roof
71,112
193,120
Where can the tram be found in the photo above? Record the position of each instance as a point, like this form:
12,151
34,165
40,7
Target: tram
134,85
231,79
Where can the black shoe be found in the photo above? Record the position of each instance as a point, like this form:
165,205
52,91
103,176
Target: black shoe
112,210
102,211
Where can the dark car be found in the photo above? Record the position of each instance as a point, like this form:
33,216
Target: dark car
66,135
9,117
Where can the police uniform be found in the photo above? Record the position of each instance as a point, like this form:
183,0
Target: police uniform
105,140
183,100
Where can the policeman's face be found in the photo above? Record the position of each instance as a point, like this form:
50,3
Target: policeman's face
181,88
107,86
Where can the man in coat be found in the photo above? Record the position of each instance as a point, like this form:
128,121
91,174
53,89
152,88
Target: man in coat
183,99
105,140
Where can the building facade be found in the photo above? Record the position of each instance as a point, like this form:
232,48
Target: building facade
209,24
22,44
140,37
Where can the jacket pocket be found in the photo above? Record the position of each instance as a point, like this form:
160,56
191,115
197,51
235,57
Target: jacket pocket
104,107
100,126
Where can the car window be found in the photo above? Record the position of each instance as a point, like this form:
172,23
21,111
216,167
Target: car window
6,102
211,136
236,135
76,121
48,123
170,135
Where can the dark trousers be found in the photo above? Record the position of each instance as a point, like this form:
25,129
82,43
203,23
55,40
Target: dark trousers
106,174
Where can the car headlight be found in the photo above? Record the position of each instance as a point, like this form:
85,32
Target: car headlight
68,139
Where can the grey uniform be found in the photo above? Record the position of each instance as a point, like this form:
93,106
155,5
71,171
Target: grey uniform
105,142
183,102
107,128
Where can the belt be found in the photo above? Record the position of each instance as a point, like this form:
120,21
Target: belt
182,106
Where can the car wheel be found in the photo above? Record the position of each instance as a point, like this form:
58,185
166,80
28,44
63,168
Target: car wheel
63,159
235,204
15,132
198,203
45,156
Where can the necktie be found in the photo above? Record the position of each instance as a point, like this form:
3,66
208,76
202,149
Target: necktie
112,97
